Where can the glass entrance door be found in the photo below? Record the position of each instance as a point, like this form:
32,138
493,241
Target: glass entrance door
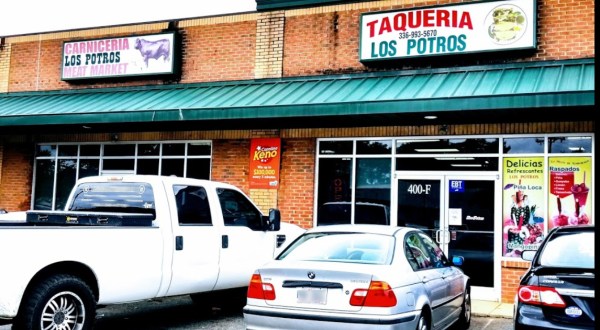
459,212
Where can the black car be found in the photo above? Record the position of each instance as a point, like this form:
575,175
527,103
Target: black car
557,291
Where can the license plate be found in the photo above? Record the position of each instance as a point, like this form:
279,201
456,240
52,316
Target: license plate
312,296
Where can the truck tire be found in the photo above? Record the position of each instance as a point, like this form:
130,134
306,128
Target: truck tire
59,302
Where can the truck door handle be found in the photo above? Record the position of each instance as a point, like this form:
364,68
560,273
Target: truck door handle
224,241
178,243
280,240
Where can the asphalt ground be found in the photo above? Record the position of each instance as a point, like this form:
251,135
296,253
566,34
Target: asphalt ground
179,313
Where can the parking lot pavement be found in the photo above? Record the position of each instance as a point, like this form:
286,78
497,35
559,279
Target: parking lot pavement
483,308
179,313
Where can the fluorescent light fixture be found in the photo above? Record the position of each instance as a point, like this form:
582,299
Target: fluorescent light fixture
578,137
430,117
465,165
454,158
417,141
437,150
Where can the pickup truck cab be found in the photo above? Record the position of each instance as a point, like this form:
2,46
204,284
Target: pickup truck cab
132,238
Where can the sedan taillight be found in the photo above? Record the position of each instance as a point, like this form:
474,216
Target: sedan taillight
379,294
259,290
540,295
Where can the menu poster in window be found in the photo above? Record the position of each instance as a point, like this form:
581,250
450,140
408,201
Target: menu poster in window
570,180
264,163
523,199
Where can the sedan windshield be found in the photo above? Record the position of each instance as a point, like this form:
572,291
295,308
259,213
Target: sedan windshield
574,250
341,247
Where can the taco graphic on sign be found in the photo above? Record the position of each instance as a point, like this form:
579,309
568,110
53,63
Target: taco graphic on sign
506,24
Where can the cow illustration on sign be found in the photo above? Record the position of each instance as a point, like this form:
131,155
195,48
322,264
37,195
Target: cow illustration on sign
153,49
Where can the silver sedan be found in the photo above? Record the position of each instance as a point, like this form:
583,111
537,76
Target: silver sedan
359,277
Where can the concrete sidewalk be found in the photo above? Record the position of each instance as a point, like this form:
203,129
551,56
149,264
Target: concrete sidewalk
483,308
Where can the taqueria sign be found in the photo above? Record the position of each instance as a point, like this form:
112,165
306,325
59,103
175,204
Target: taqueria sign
446,30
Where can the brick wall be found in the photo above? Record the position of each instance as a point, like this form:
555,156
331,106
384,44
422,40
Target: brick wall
5,53
511,275
219,52
320,40
230,162
15,181
325,41
269,44
297,181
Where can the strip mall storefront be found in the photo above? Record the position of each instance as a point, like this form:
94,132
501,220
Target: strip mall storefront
469,120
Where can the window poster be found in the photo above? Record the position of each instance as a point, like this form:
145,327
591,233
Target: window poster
265,156
523,204
570,181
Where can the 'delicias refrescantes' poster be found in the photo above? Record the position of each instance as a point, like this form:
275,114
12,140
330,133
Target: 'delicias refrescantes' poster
523,204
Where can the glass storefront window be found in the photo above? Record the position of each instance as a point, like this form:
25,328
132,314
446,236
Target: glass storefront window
89,150
67,150
88,167
172,167
173,149
570,145
335,191
148,149
46,151
374,147
199,149
65,180
44,184
336,147
523,145
448,146
373,188
447,163
198,168
119,150
58,166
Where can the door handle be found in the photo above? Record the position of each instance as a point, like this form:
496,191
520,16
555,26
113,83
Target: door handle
437,236
280,240
178,243
224,241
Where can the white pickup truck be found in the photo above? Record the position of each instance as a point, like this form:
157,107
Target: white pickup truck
132,238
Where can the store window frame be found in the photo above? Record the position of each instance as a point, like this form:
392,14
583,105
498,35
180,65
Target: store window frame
55,158
342,144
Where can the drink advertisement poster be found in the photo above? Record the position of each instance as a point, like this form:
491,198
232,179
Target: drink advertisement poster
523,199
264,163
570,180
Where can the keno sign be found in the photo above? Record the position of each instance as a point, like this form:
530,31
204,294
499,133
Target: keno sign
446,30
119,57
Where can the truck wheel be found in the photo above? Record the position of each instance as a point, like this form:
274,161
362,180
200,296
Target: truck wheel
59,302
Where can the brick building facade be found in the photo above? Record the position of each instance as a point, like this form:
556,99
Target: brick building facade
274,45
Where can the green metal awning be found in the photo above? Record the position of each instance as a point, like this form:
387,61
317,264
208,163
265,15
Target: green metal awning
523,86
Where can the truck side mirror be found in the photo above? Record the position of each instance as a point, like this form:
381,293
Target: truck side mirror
274,220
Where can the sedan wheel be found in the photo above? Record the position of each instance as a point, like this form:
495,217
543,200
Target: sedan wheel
465,314
422,325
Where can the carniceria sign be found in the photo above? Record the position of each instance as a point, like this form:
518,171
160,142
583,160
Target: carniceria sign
119,57
448,30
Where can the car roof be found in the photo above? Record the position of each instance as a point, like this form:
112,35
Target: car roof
574,228
361,228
